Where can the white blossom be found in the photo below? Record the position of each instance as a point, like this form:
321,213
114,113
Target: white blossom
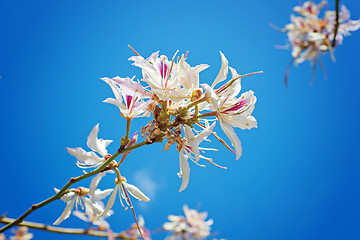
193,225
119,184
91,159
77,197
132,93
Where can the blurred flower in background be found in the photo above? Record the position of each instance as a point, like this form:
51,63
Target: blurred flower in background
192,226
311,35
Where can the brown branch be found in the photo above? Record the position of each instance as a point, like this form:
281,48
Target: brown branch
68,184
75,231
336,23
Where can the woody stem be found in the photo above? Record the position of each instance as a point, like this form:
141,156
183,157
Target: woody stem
128,123
336,23
69,183
76,231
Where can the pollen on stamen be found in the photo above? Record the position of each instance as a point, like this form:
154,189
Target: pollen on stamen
133,50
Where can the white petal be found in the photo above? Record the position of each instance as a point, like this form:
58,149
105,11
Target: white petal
82,156
130,87
230,133
116,90
204,134
67,211
123,109
135,192
110,202
81,215
184,170
222,75
99,195
213,98
94,183
66,197
98,208
235,88
89,205
98,145
189,135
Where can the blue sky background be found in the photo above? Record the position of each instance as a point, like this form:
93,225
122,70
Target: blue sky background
298,177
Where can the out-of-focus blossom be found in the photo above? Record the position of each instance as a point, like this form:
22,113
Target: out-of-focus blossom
311,35
345,24
77,197
21,234
94,219
133,231
93,216
192,226
91,159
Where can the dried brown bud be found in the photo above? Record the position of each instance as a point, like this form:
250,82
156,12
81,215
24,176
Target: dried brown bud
196,94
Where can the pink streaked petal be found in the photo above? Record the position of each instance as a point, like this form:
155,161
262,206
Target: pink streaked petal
236,106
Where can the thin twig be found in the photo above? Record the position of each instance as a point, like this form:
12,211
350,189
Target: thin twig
69,183
336,23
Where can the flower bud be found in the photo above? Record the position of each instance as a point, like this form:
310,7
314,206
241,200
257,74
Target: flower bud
196,94
81,191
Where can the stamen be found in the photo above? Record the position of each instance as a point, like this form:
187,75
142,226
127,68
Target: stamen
218,138
172,63
217,165
133,50
132,209
228,84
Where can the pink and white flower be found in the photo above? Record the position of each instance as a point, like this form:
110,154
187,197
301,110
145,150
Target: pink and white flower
134,95
169,80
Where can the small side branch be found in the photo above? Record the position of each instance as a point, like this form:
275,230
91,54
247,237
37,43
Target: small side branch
68,184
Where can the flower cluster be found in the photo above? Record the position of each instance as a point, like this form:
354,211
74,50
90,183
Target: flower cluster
180,108
192,226
175,98
310,34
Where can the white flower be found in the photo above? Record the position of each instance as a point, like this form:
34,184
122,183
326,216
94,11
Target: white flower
345,24
193,225
310,35
229,110
133,231
93,216
134,191
191,146
133,94
187,76
96,180
21,234
77,197
169,80
91,159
